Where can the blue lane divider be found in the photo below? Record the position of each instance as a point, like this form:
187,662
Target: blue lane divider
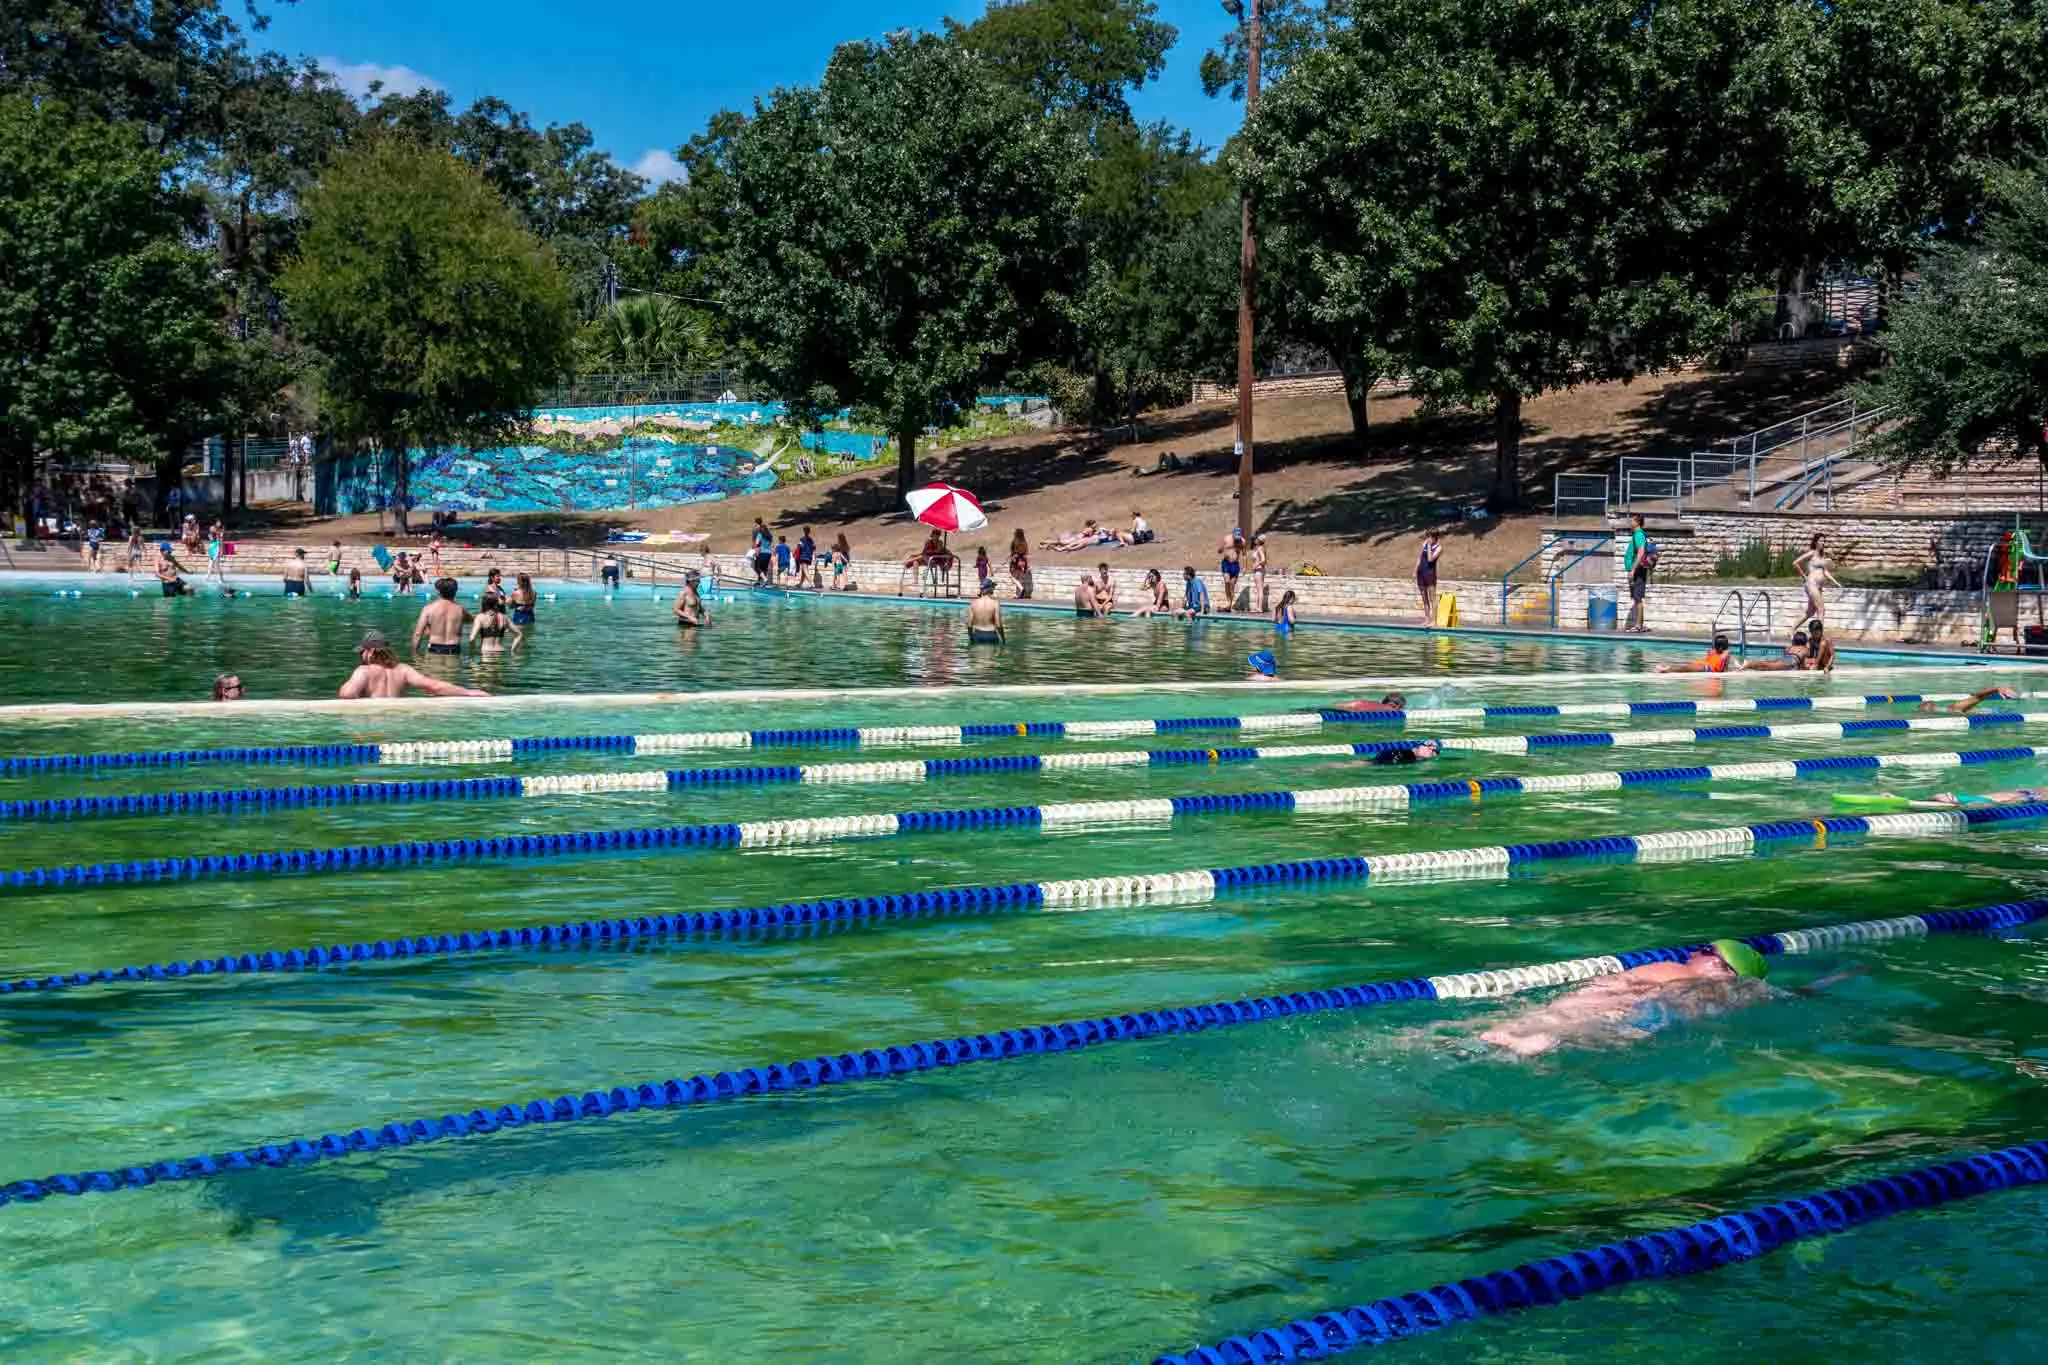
1689,1250
893,1061
504,749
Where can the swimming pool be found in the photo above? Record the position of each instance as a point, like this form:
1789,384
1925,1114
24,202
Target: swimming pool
1111,1203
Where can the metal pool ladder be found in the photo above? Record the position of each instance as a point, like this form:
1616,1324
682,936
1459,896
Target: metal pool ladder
1744,609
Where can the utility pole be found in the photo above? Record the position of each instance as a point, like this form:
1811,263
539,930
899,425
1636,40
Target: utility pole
1247,279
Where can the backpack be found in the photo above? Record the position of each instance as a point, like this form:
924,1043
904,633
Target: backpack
1647,560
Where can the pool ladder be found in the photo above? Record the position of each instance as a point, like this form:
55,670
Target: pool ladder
1744,609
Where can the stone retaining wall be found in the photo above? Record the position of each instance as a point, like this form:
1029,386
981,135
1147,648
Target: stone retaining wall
1863,614
1691,548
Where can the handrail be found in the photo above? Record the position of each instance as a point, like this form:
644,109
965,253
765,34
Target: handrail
1557,575
1743,607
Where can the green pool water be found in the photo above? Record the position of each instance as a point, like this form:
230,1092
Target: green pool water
1097,1206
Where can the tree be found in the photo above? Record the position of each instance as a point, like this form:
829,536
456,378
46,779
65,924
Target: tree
1289,29
1543,196
578,200
1968,349
1880,124
437,317
161,66
646,332
1072,56
108,317
898,235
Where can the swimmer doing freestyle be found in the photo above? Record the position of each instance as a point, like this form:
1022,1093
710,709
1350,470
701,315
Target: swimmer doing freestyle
1630,1006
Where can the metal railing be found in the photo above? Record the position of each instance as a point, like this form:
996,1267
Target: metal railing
1743,607
1800,453
1580,495
1548,583
1603,543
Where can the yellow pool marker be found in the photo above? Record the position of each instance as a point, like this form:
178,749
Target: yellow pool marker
1820,833
1022,729
1473,783
1215,757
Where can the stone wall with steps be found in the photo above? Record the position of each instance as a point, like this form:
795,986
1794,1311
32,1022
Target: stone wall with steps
1691,548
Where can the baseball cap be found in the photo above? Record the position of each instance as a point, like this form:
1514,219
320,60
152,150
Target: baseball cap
373,639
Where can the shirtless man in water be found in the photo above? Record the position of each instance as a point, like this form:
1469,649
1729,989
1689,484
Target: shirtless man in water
379,674
985,616
441,621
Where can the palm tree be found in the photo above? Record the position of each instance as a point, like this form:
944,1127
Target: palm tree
644,333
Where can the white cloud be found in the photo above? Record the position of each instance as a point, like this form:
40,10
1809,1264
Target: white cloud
658,164
357,77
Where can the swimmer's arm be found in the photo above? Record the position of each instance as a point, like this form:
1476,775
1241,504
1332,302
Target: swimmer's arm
419,628
473,629
438,687
356,686
518,634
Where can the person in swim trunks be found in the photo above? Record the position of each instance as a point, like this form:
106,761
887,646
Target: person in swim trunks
688,608
1231,562
170,573
379,674
1087,600
441,621
1630,1006
296,573
1966,705
985,616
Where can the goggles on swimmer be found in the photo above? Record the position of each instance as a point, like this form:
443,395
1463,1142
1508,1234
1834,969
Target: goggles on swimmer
1742,959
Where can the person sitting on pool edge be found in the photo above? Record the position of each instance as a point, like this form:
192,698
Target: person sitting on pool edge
1630,1006
1820,651
1715,660
1791,661
380,674
985,616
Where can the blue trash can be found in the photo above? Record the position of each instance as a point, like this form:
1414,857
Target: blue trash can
1603,609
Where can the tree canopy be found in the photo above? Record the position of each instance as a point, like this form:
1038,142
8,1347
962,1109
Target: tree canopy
898,235
436,315
1968,348
109,318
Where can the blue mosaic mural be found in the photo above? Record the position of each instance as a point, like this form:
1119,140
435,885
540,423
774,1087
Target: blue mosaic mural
623,471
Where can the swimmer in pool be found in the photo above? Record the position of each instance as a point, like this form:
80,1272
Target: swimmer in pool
688,608
985,616
379,674
2014,796
1632,1005
1264,667
1422,751
441,621
1966,705
1392,701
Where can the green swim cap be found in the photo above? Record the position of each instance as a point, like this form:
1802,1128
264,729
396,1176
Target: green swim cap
1742,959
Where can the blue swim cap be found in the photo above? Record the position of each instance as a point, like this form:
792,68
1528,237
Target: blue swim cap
1264,662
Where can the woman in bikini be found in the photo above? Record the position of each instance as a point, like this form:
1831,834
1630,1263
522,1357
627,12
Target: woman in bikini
1158,601
1020,563
489,630
1814,564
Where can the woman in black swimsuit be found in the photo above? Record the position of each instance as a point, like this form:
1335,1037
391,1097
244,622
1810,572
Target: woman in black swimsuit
491,626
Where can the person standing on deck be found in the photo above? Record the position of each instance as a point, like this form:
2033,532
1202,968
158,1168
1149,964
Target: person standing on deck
1425,573
1637,561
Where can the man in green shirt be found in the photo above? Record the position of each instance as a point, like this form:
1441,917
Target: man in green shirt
1637,562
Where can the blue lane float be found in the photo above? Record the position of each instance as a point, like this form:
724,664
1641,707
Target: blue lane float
894,1061
501,750
1692,1249
593,784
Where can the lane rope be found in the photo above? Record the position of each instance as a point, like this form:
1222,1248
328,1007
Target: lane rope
1161,888
921,770
257,707
893,1061
1688,1250
506,750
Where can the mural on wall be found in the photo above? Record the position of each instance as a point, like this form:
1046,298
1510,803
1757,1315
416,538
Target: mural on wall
601,459
604,459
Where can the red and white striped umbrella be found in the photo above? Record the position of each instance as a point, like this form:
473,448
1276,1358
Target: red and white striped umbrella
946,507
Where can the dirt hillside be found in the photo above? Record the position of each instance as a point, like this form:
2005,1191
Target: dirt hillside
1321,498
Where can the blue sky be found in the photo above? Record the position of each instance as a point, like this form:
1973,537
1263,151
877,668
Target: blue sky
645,77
